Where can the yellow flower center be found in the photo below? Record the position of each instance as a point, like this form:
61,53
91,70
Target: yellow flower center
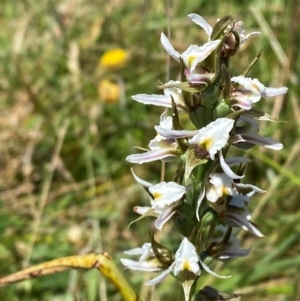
190,60
207,143
225,190
186,265
157,195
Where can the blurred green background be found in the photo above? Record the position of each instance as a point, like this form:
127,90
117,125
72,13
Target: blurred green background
68,122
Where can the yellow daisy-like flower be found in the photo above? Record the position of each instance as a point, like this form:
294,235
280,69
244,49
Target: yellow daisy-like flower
108,91
114,59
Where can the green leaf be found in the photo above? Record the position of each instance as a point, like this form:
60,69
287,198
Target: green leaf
191,162
185,86
220,26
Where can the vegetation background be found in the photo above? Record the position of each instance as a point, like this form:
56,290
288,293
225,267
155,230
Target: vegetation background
68,122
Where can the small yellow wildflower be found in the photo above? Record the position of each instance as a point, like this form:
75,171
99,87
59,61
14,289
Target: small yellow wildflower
114,59
108,91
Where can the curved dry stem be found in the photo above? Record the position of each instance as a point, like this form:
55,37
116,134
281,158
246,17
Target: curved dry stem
103,262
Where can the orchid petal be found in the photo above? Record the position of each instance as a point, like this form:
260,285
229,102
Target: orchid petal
152,155
253,187
248,36
164,100
169,48
145,251
154,99
271,92
214,136
227,169
199,201
208,270
200,79
259,140
161,143
140,265
234,220
173,134
145,211
161,277
241,102
201,22
164,217
140,181
166,193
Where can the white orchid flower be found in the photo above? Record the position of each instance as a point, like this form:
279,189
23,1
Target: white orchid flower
193,55
214,136
246,135
211,138
145,251
186,259
220,184
164,200
238,27
161,148
164,100
147,261
231,249
161,142
238,215
251,91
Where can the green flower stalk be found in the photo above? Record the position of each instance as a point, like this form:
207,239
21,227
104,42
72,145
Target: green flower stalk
206,199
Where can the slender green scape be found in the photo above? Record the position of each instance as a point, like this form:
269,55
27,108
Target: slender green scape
206,199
